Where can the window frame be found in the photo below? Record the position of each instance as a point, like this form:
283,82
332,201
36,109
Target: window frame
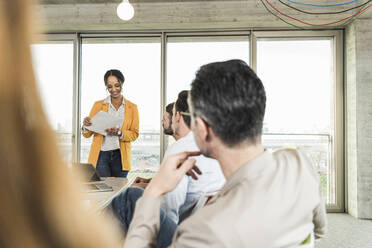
56,37
337,141
253,35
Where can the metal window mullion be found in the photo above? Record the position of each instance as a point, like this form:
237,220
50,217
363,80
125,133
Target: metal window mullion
337,146
162,90
77,99
339,122
253,51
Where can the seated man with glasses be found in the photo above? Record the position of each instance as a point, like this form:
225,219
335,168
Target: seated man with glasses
179,203
270,199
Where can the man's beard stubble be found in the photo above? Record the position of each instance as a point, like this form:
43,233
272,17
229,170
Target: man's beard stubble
168,131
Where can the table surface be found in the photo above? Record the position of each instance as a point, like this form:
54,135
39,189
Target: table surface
99,200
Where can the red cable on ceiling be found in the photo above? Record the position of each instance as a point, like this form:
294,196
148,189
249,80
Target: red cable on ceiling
317,25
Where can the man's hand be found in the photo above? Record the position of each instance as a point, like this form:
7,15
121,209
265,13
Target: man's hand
170,173
141,182
192,171
140,185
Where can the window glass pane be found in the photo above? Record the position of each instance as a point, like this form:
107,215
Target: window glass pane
53,66
298,78
185,55
139,61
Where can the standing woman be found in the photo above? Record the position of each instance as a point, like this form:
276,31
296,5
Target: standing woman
111,154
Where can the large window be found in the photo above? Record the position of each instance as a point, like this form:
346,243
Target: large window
53,66
301,71
139,60
299,78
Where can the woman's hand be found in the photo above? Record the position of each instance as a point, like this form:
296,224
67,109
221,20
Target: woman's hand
87,121
113,131
170,173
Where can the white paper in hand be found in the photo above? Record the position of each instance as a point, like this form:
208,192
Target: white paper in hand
102,121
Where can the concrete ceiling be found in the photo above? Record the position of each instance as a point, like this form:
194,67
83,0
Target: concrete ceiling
118,1
81,15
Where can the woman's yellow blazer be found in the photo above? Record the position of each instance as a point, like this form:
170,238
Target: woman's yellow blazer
130,129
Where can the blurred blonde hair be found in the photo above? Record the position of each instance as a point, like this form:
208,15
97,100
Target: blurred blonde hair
39,203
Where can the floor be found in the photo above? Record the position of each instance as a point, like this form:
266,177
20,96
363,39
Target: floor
345,231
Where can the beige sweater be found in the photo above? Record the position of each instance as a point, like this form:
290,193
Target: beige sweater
272,201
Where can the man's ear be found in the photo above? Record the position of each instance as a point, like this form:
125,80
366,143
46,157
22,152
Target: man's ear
177,116
203,129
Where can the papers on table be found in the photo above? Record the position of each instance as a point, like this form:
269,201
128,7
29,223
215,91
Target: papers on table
102,121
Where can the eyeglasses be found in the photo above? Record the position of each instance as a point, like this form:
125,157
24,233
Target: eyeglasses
185,113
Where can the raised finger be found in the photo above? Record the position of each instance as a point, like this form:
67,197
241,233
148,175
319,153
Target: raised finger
196,169
187,165
193,171
192,174
181,157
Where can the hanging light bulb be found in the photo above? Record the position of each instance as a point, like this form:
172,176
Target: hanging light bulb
125,10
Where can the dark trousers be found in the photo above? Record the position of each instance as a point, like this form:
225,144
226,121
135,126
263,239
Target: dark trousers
109,164
122,207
